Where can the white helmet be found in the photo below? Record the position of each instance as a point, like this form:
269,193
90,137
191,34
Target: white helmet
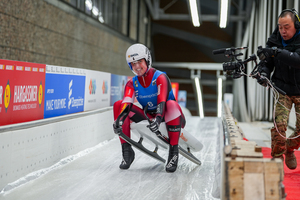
136,52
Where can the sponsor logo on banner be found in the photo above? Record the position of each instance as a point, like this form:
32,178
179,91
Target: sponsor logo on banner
20,68
9,67
92,91
72,101
7,96
104,87
64,94
55,104
175,88
21,92
117,88
92,86
40,94
25,93
97,90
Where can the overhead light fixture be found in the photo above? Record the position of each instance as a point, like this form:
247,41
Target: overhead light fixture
194,12
100,17
89,4
223,13
95,11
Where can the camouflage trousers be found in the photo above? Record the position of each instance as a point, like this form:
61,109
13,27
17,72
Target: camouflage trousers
279,144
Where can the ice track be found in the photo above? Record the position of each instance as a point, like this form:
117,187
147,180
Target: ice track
94,174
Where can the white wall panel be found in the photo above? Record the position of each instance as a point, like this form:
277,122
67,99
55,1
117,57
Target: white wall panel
31,146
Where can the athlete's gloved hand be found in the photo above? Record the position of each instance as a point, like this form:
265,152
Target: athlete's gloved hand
117,130
154,125
264,53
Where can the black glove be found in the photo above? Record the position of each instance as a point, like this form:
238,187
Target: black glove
264,53
154,125
117,130
263,79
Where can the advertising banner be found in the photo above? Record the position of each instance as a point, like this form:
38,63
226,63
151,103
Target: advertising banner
118,83
175,88
97,90
182,96
22,87
64,91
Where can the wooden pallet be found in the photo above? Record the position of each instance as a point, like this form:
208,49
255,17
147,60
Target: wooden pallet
247,174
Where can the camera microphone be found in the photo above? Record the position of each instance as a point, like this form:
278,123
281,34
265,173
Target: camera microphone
221,51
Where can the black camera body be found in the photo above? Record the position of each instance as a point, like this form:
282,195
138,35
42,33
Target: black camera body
235,68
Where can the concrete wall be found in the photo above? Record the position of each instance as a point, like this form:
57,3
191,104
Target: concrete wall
52,32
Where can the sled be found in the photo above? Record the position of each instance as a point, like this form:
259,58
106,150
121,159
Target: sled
186,144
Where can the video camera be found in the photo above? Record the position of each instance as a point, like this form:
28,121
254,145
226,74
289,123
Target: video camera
235,68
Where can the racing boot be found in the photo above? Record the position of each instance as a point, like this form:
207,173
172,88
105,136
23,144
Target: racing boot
128,156
173,159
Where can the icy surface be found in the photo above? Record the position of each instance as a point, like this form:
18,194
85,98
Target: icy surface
95,174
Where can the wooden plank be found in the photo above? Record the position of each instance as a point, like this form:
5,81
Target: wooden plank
254,166
254,178
273,169
243,148
272,190
274,166
235,173
258,149
254,186
246,143
248,154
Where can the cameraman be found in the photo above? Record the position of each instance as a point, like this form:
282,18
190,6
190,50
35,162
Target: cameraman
282,55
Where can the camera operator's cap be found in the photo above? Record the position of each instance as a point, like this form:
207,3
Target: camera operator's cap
137,52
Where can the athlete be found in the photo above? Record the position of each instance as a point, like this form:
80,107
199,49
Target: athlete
153,88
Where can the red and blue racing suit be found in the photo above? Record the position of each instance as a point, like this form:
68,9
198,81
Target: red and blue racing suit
153,88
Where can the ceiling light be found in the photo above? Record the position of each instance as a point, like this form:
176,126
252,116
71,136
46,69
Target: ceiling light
95,11
223,13
194,13
89,4
100,17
